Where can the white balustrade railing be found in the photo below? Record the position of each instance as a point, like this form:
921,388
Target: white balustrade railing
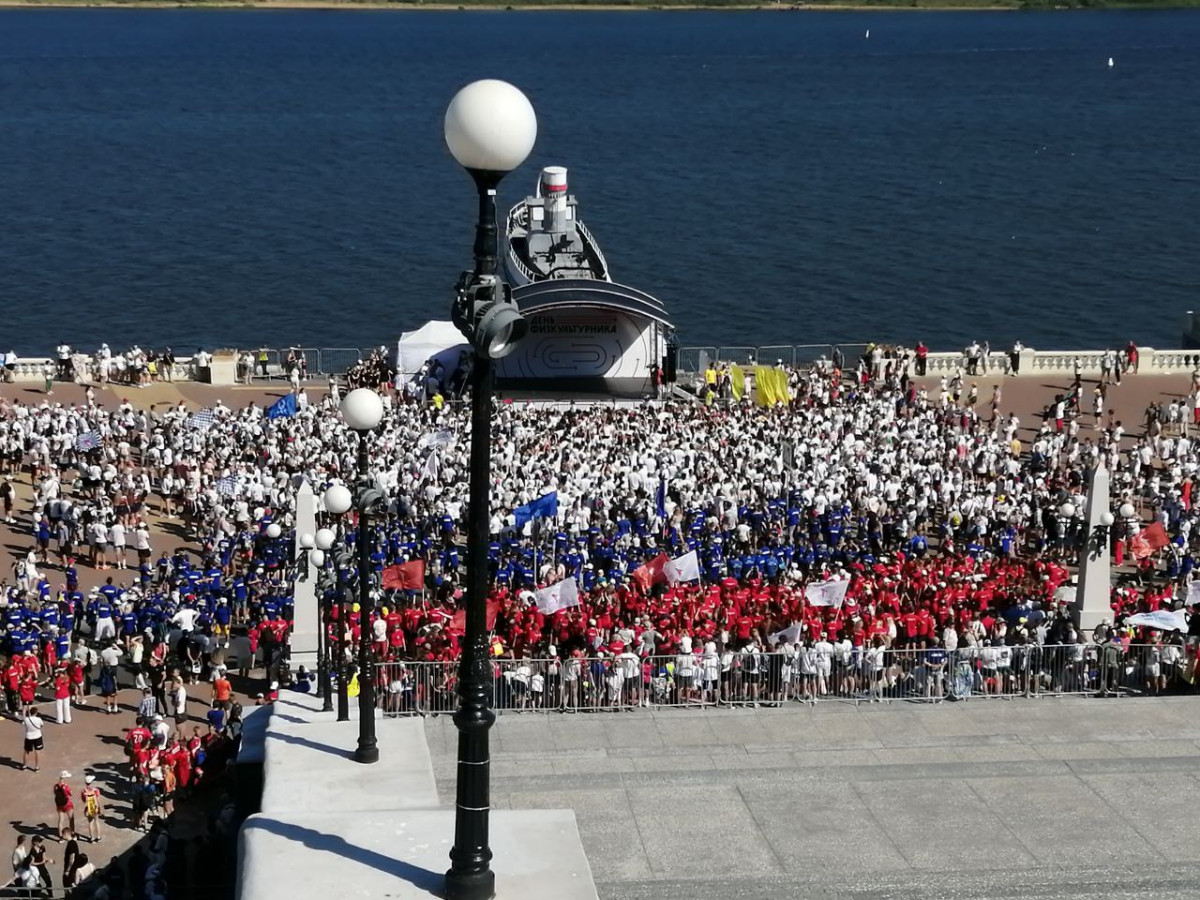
1032,362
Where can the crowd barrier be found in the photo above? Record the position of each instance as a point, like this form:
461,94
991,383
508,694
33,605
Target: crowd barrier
863,675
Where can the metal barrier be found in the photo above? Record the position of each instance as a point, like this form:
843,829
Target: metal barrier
808,674
336,360
741,356
776,355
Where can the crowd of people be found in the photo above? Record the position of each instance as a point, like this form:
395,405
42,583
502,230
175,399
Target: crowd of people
930,503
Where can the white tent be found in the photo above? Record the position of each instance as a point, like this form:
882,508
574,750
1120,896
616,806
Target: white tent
433,339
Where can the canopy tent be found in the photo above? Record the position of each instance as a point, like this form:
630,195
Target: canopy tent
440,340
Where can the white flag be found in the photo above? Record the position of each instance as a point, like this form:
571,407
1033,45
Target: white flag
788,635
1162,619
562,595
429,472
827,593
1193,594
685,568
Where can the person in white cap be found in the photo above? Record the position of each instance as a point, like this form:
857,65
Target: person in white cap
93,806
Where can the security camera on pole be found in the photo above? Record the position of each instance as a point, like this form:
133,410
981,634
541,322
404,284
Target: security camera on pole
490,128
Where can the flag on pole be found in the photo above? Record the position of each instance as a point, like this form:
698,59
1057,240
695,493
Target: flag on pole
409,576
562,595
1161,619
436,439
226,486
89,440
660,498
458,622
202,420
651,573
283,408
1193,594
788,635
683,568
429,472
545,506
1151,538
827,593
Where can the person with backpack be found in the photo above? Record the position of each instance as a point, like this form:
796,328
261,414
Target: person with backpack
64,805
93,806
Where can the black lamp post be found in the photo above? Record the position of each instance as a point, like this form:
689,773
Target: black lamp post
312,562
490,128
326,582
337,500
363,410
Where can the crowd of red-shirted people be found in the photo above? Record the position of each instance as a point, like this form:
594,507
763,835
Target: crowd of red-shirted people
758,639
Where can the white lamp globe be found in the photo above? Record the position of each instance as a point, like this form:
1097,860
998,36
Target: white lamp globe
362,409
490,126
1067,510
1127,511
317,558
337,499
306,541
1106,519
274,531
325,538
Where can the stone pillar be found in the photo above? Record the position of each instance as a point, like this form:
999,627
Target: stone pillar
224,367
1095,560
307,624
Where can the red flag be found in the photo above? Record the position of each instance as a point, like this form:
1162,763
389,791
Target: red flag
409,576
651,573
459,622
1152,537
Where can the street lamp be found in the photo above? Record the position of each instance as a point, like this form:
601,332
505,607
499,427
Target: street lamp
336,501
362,409
490,128
326,581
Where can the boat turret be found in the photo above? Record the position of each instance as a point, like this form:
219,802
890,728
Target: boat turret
554,198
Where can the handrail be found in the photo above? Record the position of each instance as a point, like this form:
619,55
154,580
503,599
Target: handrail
595,246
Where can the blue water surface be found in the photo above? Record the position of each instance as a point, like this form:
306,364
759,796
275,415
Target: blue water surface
229,177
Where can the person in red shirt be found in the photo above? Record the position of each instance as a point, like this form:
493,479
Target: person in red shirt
138,737
75,670
62,697
27,689
63,804
12,685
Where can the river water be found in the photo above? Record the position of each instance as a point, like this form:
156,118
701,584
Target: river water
227,177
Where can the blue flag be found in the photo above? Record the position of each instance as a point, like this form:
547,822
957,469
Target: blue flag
283,408
660,498
543,507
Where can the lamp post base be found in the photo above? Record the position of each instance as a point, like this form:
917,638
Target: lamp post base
470,885
367,754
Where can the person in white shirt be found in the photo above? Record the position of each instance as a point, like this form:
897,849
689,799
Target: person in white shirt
116,539
185,619
32,724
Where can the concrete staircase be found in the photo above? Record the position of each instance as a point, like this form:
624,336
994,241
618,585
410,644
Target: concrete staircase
325,826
